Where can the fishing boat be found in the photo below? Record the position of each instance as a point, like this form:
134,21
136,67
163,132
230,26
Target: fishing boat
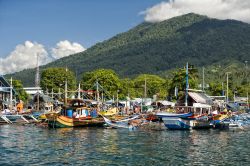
124,123
219,121
201,122
172,115
75,115
174,121
109,112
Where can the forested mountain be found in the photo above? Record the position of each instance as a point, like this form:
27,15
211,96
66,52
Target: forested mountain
155,48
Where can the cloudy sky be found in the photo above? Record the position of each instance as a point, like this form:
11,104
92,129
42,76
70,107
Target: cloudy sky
57,28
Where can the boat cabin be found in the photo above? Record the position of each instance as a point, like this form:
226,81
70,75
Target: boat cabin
78,108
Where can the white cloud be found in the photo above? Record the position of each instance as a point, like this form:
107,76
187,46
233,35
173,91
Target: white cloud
66,48
24,56
221,9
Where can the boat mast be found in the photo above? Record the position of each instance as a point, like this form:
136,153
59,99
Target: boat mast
66,88
37,82
97,95
186,94
11,95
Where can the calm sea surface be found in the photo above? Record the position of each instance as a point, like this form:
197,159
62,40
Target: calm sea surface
33,145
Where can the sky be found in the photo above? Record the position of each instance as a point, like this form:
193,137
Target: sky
57,28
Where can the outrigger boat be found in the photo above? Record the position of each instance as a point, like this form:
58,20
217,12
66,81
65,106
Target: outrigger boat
76,115
124,123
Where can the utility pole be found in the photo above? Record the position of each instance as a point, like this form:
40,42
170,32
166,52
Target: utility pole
117,99
247,84
203,79
37,83
97,95
66,88
186,94
247,101
222,86
52,93
227,85
79,93
11,95
145,87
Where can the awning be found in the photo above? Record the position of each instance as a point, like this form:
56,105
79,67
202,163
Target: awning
199,105
200,98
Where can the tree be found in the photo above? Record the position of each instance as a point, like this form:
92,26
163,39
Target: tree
154,85
20,92
107,78
215,88
179,80
55,78
127,88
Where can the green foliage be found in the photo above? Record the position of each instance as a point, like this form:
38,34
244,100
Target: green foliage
127,89
55,78
215,89
155,85
21,93
179,80
107,78
215,77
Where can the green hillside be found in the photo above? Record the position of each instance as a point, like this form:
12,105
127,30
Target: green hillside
154,48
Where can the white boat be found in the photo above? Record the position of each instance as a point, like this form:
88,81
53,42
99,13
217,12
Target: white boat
168,114
125,123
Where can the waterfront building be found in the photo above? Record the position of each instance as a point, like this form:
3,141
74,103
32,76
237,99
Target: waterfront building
5,93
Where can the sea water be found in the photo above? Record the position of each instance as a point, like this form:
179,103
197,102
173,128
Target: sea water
33,145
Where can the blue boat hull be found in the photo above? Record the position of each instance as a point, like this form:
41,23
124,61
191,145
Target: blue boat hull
176,123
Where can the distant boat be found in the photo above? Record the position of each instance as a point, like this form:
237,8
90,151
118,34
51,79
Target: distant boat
124,123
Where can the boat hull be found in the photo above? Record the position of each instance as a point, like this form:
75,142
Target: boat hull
173,115
173,123
63,121
197,124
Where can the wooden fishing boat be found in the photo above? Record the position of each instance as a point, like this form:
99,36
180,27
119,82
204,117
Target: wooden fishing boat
75,115
79,119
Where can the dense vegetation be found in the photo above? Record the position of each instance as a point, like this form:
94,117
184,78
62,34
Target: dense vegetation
159,48
144,85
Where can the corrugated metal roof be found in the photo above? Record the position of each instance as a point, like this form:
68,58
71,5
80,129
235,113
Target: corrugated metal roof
200,98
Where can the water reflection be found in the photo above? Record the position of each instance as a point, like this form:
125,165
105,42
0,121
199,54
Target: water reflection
26,145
